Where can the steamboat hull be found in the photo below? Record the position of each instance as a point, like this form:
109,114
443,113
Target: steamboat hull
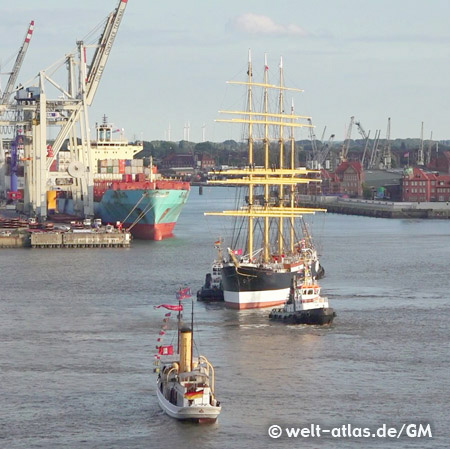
200,414
153,218
250,287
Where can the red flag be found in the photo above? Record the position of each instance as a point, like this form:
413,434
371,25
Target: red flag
168,314
162,333
166,350
170,307
184,293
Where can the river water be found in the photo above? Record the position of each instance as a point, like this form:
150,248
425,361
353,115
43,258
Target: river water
78,332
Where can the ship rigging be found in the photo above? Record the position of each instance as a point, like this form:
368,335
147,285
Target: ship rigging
271,249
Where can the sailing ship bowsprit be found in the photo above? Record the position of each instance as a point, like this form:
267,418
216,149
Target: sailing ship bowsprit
268,247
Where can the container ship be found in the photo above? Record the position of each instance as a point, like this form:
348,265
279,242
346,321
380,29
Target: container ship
149,208
127,192
268,246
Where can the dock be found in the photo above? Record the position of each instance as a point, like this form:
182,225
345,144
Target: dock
380,209
14,239
90,239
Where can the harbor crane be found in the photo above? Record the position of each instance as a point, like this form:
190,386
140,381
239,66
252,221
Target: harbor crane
314,146
15,130
429,149
325,151
374,155
16,68
319,152
346,145
365,136
420,151
69,113
387,154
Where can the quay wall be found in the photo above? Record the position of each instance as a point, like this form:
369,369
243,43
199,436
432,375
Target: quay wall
374,208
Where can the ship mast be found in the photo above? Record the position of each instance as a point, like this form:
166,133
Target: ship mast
266,160
266,176
250,158
292,187
281,193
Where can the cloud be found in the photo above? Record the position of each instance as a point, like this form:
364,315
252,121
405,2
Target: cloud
259,24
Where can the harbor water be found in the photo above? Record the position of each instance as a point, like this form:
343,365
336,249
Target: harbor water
78,331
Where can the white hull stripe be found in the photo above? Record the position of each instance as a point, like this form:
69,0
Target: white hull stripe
261,297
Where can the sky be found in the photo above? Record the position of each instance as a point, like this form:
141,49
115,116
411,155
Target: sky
170,61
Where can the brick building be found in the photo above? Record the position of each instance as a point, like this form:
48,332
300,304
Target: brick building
350,176
421,186
205,161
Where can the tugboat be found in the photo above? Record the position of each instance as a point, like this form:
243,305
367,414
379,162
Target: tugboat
212,290
185,384
305,305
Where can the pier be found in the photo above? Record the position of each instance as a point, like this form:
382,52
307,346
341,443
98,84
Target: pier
380,209
14,239
90,239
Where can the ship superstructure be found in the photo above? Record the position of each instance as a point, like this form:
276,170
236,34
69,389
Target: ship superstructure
268,247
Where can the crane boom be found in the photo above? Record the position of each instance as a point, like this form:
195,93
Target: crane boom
103,49
17,65
325,150
346,144
365,136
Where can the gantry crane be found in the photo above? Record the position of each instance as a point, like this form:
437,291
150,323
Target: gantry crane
69,112
16,68
4,102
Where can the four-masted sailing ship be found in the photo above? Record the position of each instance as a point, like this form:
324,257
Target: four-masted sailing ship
268,247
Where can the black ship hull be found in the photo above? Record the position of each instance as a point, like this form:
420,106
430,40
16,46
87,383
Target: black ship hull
210,294
317,317
248,287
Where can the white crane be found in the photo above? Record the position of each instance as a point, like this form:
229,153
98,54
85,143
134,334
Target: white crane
103,50
387,155
69,112
16,68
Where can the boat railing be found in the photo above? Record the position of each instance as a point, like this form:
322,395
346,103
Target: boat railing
167,374
211,372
